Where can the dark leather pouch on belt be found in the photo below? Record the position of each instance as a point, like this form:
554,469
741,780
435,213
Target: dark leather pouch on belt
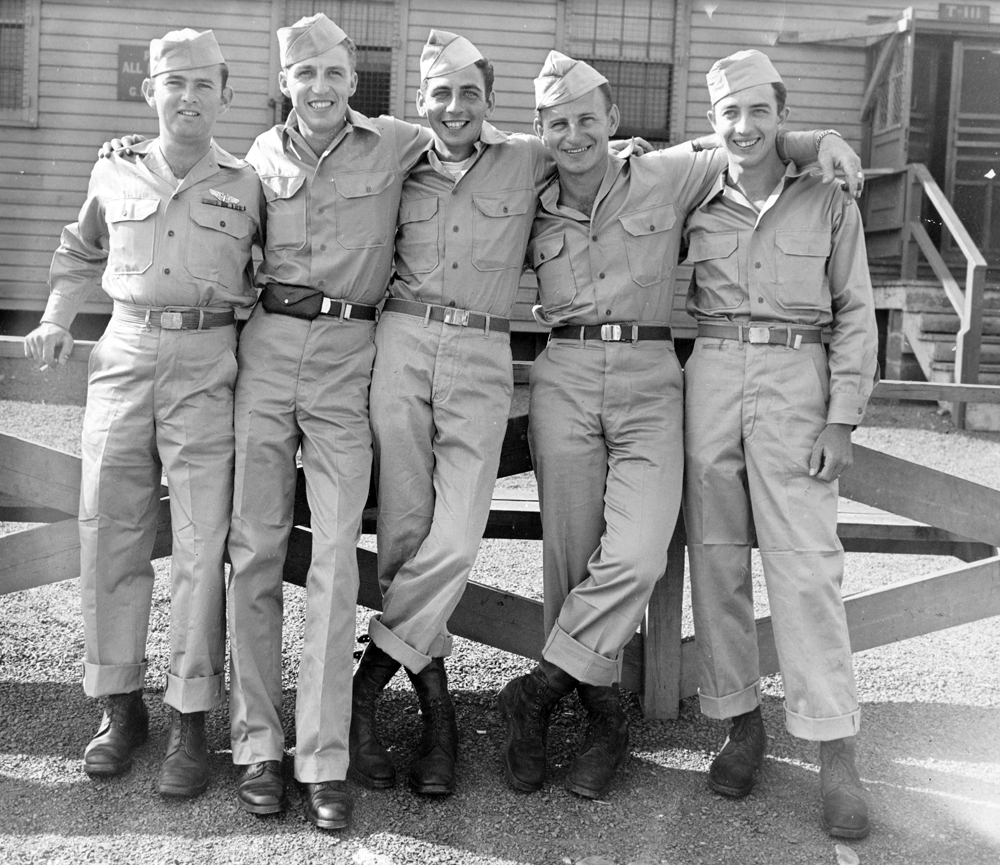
299,301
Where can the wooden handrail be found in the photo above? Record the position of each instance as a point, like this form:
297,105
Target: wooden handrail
947,213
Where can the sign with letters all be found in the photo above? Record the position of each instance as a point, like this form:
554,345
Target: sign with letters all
133,67
978,13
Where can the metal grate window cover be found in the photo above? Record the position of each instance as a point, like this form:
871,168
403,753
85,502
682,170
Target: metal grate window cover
371,24
630,42
12,14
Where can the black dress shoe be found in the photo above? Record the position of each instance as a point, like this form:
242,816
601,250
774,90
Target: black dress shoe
124,727
184,773
328,804
260,788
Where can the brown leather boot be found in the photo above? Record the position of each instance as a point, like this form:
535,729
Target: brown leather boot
605,744
124,727
433,773
845,809
184,773
525,704
732,771
370,762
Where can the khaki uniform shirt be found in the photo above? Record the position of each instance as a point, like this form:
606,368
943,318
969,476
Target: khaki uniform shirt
799,260
330,219
618,264
153,241
461,243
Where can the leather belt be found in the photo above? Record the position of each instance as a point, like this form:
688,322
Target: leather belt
343,309
174,318
762,334
449,315
624,332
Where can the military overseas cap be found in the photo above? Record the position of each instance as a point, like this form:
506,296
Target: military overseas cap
445,53
564,79
183,49
738,72
306,38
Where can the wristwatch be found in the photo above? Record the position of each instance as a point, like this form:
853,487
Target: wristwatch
821,134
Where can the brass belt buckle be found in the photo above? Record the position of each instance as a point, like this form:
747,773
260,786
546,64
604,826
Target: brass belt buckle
611,332
171,320
456,316
759,335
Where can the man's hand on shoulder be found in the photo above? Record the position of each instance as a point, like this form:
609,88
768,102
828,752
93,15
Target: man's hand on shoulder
119,145
49,345
835,153
832,454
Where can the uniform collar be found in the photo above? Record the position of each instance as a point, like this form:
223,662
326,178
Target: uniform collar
487,135
549,197
352,120
792,173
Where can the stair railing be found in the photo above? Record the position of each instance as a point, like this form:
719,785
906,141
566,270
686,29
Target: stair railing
968,304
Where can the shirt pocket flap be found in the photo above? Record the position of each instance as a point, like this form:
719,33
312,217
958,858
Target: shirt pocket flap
510,202
279,186
417,209
546,248
362,183
130,209
803,242
223,219
704,247
651,221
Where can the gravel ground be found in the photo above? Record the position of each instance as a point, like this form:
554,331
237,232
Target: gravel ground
928,750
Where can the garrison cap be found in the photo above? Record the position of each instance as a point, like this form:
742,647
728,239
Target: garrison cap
183,49
306,38
564,79
738,72
445,53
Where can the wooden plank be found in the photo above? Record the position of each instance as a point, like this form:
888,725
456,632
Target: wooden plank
39,475
13,346
932,391
923,494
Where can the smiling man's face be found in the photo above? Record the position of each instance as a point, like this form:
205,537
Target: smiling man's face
456,105
319,88
748,122
577,132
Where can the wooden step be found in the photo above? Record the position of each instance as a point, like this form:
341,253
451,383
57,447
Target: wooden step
943,322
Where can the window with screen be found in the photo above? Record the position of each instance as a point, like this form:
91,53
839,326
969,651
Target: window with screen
630,42
19,62
371,24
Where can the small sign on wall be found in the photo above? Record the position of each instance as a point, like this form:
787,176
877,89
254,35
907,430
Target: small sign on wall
133,67
978,13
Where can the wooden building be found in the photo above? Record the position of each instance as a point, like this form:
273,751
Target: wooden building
903,81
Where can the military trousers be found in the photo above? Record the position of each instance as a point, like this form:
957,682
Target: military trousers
440,401
753,413
302,384
605,429
157,401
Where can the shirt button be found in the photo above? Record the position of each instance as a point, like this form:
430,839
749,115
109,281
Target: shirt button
451,303
321,283
322,247
320,210
607,312
222,223
757,265
454,265
652,228
601,275
505,210
593,237
368,189
170,234
760,300
166,270
455,228
541,256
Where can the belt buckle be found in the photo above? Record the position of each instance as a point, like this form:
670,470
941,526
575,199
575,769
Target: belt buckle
611,332
171,320
759,335
452,315
325,304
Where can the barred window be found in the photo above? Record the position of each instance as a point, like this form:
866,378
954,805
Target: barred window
19,62
630,42
372,25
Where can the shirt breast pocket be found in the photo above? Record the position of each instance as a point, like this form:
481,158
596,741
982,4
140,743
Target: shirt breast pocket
286,210
417,241
218,246
646,243
364,213
801,257
132,233
717,271
550,260
499,228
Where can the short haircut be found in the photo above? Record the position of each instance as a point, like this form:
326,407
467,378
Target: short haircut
484,66
780,95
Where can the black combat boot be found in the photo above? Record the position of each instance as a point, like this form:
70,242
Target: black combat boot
124,727
433,772
845,810
184,773
370,763
605,744
525,704
732,771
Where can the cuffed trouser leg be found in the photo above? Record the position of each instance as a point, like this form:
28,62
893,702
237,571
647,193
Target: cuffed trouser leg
305,380
769,403
440,403
606,439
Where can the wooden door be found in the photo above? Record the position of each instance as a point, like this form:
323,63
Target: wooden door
888,106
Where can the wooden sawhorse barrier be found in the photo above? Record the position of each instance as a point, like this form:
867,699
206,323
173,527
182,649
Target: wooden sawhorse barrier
929,512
